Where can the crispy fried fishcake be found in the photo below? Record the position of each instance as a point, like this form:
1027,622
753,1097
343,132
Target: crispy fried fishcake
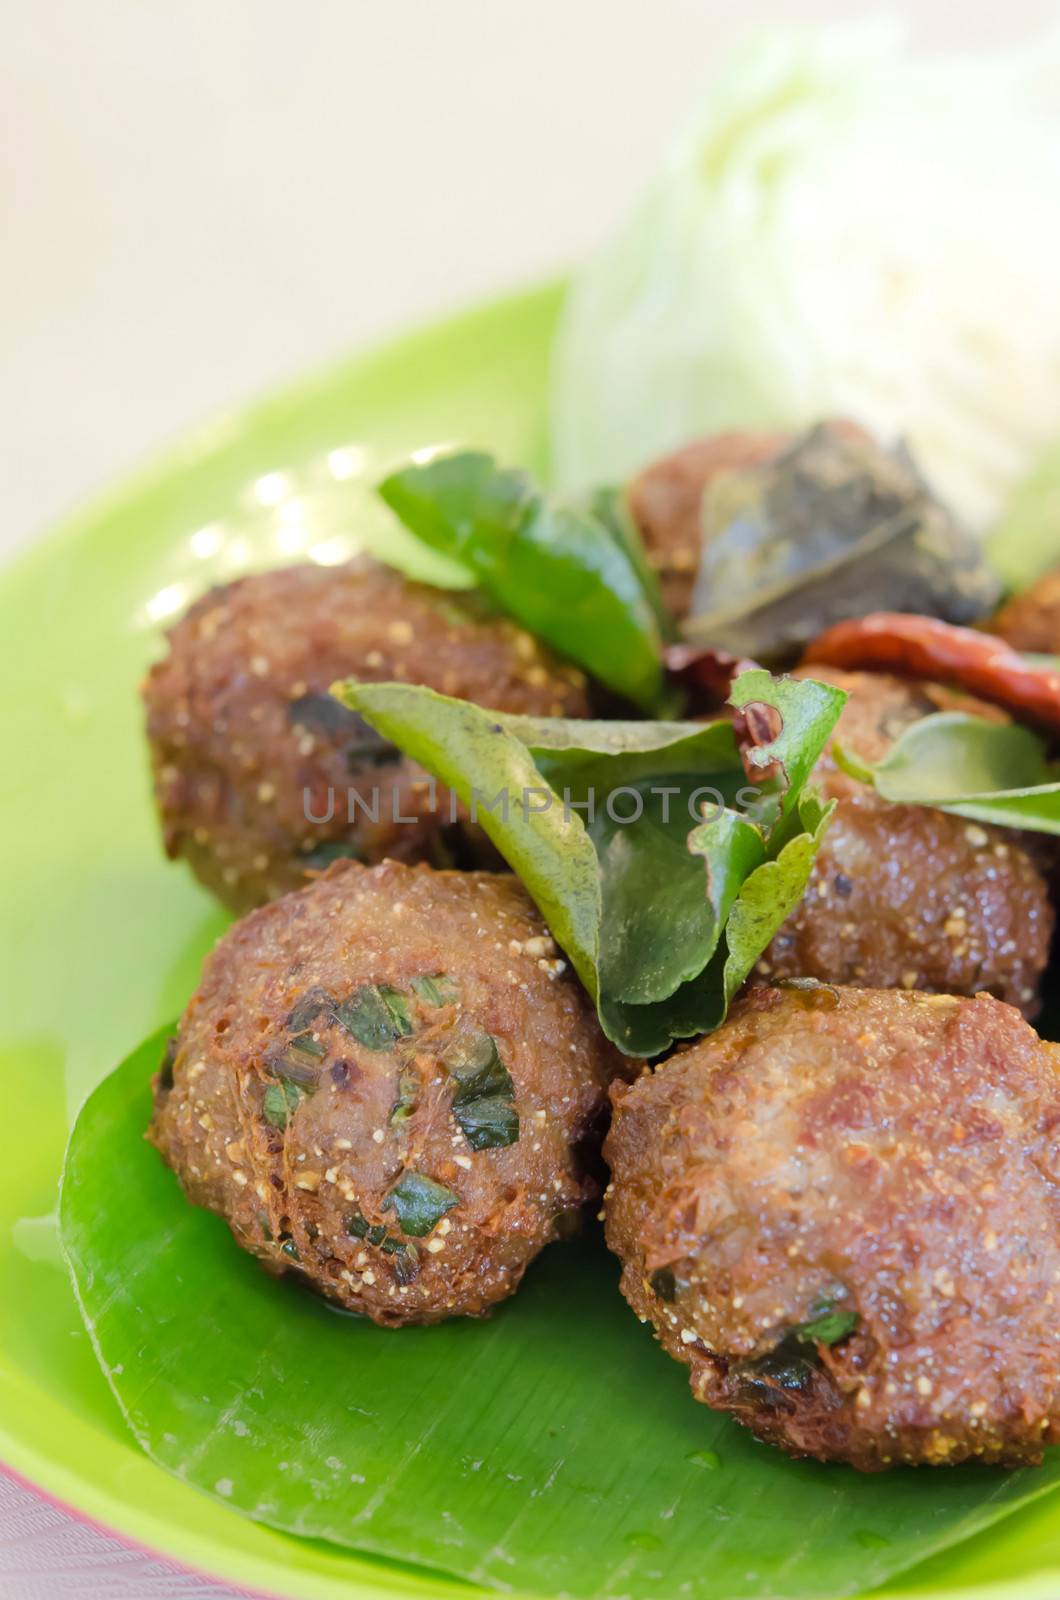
390,1082
842,1212
261,777
907,896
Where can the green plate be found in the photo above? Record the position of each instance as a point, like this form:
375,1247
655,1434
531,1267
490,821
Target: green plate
102,940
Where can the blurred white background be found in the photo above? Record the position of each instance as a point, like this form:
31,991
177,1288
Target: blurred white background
201,197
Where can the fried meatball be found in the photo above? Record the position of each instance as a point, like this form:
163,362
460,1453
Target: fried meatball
907,896
1031,619
261,776
390,1082
842,1212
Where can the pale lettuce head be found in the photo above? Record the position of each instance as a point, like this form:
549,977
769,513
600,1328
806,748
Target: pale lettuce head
841,229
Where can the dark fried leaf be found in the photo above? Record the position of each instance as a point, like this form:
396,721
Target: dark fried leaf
165,1071
358,1227
831,528
408,1093
321,713
297,1060
314,1003
765,1380
664,1284
406,1264
420,1203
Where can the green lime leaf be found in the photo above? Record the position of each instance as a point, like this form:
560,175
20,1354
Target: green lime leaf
280,1100
484,1101
610,507
770,894
828,1328
477,754
807,711
375,1016
530,1451
604,823
436,990
765,899
987,771
565,570
489,1122
420,1203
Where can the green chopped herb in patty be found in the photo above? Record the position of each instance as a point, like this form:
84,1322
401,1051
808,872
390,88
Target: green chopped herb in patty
484,1101
420,1203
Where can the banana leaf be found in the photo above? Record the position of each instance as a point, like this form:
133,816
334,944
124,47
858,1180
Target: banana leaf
551,1449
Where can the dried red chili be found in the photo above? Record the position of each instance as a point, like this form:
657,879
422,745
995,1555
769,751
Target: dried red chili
923,647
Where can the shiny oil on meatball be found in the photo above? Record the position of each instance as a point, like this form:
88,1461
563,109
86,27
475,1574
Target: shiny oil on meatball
842,1212
907,896
261,777
391,1083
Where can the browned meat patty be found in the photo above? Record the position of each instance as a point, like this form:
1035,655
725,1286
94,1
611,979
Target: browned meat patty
390,1082
1031,619
247,746
906,896
842,1212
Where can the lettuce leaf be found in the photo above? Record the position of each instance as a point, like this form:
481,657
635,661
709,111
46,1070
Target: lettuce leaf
571,572
661,870
1026,542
